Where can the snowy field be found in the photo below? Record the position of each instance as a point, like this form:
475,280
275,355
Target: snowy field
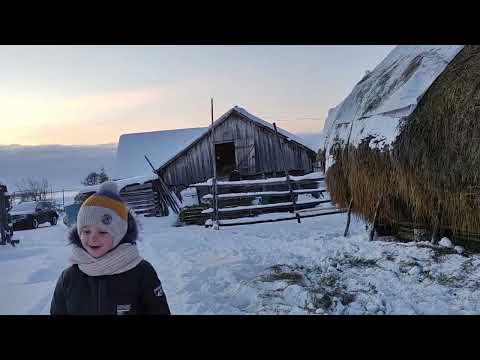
275,268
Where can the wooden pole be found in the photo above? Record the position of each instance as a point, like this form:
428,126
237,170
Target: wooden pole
170,195
197,190
292,195
214,180
348,217
372,230
264,188
164,194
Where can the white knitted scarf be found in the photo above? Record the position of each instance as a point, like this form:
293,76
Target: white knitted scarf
123,258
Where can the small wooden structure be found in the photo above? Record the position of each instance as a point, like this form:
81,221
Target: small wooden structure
148,196
142,199
138,192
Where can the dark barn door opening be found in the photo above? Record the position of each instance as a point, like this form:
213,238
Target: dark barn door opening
225,158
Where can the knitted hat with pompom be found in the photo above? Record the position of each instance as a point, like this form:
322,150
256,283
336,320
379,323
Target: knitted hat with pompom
105,208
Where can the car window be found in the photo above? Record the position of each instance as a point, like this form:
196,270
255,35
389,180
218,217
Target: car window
25,206
39,206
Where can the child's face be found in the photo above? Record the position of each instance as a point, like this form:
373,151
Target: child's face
96,240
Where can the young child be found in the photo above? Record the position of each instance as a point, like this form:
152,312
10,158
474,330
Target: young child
108,276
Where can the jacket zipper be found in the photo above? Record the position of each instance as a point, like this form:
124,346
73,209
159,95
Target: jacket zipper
99,294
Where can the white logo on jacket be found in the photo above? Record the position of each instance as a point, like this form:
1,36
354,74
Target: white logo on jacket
123,309
158,291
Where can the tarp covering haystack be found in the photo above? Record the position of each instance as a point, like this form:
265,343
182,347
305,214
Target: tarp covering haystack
406,141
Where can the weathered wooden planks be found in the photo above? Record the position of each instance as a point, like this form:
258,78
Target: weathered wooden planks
256,151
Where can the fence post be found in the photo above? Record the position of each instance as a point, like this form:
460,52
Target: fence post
292,195
348,217
374,225
214,180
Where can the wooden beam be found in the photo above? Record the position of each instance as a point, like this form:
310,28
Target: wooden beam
372,230
260,182
339,211
214,180
266,206
348,217
290,188
263,193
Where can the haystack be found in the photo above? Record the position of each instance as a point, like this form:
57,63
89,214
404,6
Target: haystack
407,137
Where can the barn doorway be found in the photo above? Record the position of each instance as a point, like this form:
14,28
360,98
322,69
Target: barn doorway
225,158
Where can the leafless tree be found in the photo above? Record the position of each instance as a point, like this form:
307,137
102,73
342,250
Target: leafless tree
95,178
33,189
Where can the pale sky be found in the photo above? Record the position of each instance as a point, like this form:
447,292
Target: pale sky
92,94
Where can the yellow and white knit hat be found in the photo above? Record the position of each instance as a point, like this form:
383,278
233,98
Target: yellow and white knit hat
107,209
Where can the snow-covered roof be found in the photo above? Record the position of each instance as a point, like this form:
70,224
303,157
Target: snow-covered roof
264,123
385,95
140,180
159,146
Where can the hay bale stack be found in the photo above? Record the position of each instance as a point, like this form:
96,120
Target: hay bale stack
429,172
439,148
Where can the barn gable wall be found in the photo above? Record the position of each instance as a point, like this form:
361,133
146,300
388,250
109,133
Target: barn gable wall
256,151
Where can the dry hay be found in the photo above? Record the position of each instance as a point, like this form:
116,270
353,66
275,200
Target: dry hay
433,164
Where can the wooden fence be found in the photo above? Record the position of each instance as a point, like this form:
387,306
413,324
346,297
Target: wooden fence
278,197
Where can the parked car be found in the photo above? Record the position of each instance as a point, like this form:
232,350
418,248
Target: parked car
30,214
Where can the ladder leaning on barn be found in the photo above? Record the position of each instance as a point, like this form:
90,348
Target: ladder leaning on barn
166,198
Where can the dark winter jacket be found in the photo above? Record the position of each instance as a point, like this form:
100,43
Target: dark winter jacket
136,291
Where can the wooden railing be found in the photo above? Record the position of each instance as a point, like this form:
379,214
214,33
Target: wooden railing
234,212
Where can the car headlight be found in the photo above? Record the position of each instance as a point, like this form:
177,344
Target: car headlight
22,217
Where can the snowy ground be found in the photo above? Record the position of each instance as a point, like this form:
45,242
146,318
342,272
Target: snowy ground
275,268
30,270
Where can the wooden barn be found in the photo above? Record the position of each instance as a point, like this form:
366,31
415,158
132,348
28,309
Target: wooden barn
245,146
242,142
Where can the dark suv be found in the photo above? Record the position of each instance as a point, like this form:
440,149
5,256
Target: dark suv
33,213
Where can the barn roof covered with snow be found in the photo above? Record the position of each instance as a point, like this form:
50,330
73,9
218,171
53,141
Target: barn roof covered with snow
159,146
384,96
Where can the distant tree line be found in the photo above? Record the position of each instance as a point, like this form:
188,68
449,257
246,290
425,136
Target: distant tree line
95,178
32,189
